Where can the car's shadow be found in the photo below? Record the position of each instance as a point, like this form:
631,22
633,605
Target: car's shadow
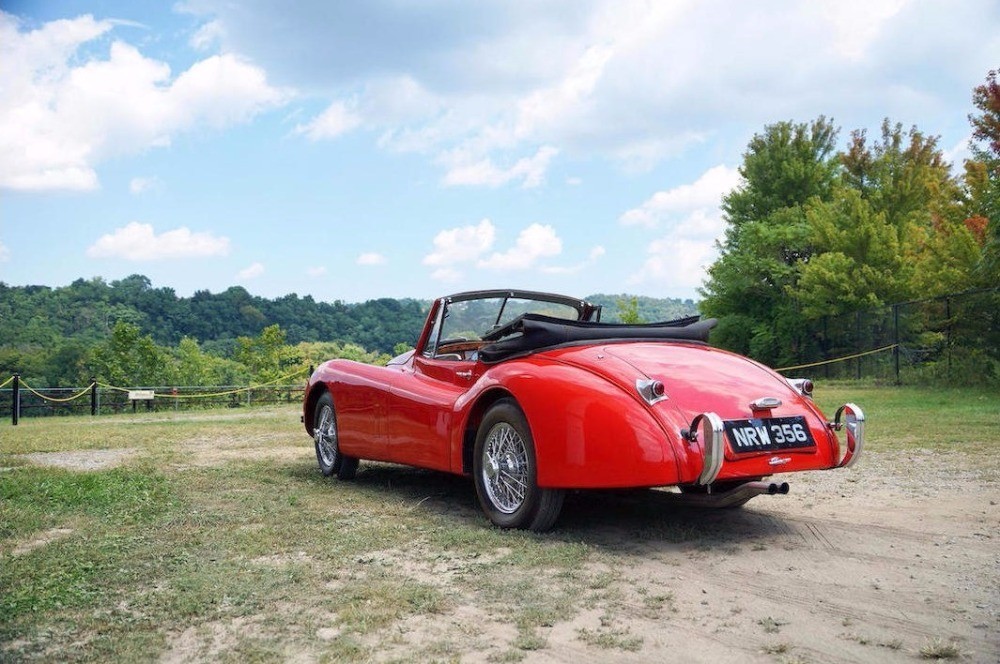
614,519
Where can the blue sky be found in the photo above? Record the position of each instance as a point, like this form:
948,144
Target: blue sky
393,148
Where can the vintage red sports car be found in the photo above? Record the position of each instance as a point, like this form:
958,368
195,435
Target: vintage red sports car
531,395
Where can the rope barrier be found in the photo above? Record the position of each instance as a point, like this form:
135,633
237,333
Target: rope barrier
6,382
38,394
238,390
839,359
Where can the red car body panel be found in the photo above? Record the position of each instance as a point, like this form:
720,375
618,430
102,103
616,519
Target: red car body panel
590,424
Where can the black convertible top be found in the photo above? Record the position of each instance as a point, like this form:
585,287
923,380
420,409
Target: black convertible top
530,333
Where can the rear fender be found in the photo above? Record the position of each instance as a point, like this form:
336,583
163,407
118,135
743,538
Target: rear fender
588,432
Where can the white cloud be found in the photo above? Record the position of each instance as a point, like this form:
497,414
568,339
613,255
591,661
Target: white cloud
461,245
371,258
337,119
139,242
856,24
251,271
319,271
64,110
675,263
139,185
207,36
594,255
630,80
534,242
530,171
705,193
4,253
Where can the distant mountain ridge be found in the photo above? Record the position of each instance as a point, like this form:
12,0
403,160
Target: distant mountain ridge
87,309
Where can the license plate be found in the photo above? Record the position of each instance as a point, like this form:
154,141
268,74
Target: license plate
768,434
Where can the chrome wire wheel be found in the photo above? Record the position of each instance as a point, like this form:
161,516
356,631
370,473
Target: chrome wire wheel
505,468
325,435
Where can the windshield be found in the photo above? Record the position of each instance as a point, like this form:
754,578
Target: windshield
471,319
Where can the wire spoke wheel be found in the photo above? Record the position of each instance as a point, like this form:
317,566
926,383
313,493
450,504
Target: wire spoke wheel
325,436
505,471
505,468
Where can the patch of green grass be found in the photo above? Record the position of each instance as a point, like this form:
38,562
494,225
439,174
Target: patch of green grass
898,418
201,529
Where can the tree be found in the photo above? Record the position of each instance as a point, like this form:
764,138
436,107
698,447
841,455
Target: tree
768,238
129,358
266,355
983,173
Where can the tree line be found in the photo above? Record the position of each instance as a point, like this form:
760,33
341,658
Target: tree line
127,332
814,231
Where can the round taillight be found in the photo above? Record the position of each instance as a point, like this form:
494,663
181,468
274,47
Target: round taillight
658,389
807,387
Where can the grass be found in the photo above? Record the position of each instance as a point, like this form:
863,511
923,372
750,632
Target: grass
218,539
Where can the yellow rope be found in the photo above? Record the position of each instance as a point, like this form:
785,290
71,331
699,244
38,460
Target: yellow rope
164,395
6,382
839,359
54,399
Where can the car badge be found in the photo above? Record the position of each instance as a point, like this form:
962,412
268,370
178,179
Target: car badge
778,461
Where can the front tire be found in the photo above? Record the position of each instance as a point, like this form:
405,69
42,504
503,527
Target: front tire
327,441
505,471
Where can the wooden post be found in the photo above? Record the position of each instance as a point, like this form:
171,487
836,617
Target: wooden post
15,400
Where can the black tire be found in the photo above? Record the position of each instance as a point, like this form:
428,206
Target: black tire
505,472
326,440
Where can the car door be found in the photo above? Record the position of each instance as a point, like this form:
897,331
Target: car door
421,412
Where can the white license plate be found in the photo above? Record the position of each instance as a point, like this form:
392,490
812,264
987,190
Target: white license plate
768,434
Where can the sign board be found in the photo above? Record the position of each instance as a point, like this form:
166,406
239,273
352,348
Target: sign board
141,395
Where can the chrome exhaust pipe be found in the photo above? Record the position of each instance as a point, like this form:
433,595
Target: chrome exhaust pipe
733,497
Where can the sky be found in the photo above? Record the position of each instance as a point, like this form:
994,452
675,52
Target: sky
413,148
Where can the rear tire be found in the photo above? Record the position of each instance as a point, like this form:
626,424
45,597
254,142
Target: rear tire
327,441
506,471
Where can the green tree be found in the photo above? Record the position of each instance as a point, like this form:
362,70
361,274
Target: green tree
768,238
266,356
628,311
129,358
983,174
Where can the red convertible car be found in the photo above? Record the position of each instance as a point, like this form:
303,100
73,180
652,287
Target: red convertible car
531,395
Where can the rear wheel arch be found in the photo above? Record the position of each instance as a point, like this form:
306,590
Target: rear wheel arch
475,418
309,415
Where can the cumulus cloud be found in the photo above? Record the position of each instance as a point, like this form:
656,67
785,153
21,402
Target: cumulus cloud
251,271
705,193
592,257
68,104
371,258
461,245
533,243
337,119
530,171
139,242
631,80
692,220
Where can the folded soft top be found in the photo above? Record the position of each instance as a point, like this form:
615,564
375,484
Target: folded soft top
530,333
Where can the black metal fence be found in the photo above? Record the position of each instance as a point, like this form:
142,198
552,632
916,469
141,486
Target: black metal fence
952,339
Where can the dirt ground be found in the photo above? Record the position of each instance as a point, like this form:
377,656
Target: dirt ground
878,563
895,560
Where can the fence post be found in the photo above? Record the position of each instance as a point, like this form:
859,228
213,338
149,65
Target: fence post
93,396
947,334
857,325
15,402
895,350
